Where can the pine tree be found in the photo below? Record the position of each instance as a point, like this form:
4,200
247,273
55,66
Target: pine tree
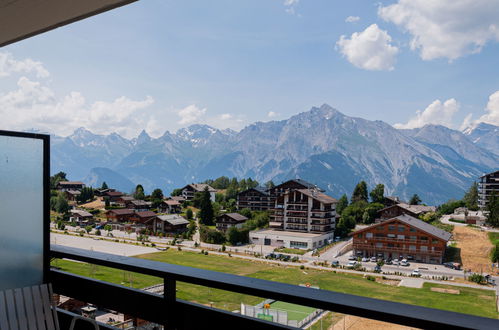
415,200
139,192
206,213
493,210
359,193
377,194
104,185
471,197
269,184
342,204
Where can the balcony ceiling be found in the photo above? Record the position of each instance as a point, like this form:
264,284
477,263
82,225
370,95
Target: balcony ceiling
21,19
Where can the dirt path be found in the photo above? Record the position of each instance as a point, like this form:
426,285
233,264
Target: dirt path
355,322
475,248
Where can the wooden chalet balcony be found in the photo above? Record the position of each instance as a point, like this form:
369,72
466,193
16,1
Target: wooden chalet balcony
385,248
398,240
296,221
320,223
297,203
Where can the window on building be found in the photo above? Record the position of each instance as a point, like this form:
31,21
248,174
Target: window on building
413,238
391,227
390,235
412,229
401,229
434,241
369,235
424,248
298,244
412,247
401,236
423,238
380,228
359,235
379,245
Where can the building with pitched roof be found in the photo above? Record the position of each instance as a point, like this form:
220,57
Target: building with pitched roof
403,208
167,224
228,220
403,236
189,190
255,199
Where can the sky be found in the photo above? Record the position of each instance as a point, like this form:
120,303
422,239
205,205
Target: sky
162,65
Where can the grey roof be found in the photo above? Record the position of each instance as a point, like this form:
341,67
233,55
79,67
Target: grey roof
81,213
138,202
491,173
73,192
173,219
200,187
262,190
421,225
127,198
417,209
236,216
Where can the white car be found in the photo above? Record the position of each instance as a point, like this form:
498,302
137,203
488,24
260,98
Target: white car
365,259
416,272
373,259
404,262
352,257
351,263
395,262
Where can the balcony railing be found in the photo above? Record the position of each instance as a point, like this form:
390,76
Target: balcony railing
174,313
387,248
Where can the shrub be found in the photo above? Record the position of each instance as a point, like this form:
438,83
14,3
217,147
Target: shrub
477,278
97,232
302,267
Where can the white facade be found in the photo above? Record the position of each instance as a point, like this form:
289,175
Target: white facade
289,239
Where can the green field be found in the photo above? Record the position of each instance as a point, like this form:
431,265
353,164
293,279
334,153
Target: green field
295,312
471,301
494,238
293,251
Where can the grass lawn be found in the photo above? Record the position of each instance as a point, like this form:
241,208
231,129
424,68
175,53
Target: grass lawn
294,251
295,312
494,238
471,301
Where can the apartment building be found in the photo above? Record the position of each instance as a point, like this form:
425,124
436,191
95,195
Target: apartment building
403,236
488,183
255,199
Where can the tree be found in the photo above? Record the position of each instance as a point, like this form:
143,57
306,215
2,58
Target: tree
139,192
370,212
495,254
176,192
269,184
471,197
88,229
197,200
108,228
359,193
56,178
493,210
355,211
378,193
206,213
415,200
86,194
189,214
342,204
246,212
104,185
157,194
61,204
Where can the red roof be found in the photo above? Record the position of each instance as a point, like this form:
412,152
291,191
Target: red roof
121,211
145,214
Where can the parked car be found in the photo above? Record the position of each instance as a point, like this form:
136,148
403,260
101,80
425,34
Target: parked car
351,263
410,258
395,262
335,263
388,261
377,269
365,259
352,257
404,262
416,272
373,259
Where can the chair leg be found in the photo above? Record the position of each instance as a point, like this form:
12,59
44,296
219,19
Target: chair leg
78,317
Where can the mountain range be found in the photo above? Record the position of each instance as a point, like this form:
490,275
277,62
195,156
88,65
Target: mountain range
322,146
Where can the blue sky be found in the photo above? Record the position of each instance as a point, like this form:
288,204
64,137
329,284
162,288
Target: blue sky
161,64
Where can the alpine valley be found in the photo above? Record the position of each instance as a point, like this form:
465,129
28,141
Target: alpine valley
322,146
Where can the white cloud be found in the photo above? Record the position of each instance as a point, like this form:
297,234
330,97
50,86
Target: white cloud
272,114
492,109
369,49
33,105
9,65
190,115
290,6
352,19
436,113
445,28
226,116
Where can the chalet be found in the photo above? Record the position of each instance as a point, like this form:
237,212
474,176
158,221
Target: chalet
255,199
228,220
124,201
140,205
142,217
403,236
488,184
169,223
391,200
403,208
119,215
70,185
72,195
179,199
114,197
81,217
170,206
189,190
